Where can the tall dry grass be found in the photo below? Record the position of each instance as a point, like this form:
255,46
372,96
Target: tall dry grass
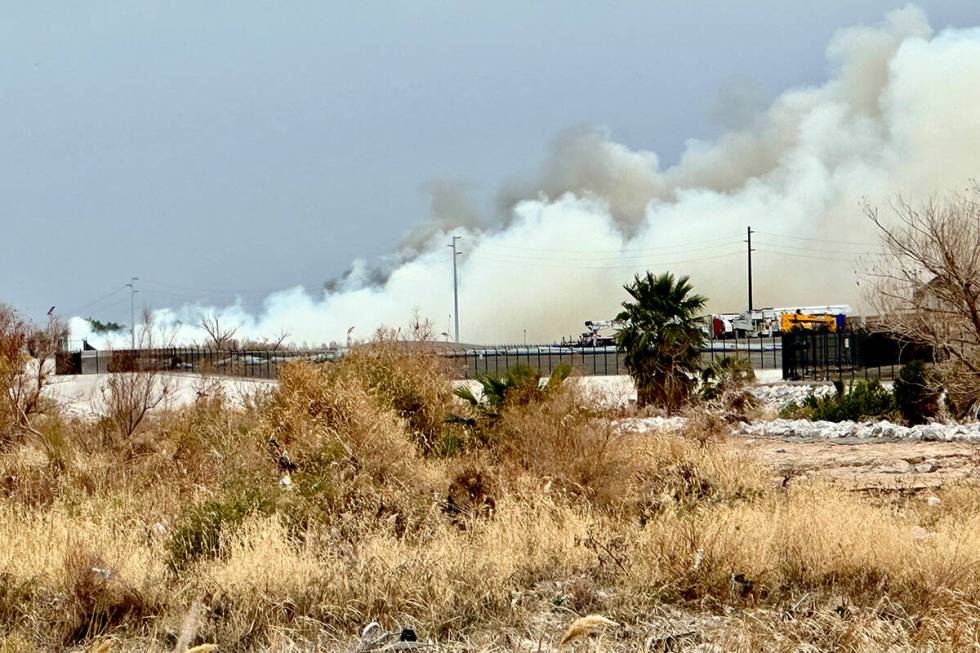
293,522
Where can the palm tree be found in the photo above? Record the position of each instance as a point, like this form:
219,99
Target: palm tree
661,338
519,385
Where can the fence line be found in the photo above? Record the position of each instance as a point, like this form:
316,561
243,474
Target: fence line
465,363
800,356
847,355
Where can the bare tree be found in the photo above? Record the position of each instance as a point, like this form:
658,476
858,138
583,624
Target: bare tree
129,396
926,288
267,344
221,337
26,367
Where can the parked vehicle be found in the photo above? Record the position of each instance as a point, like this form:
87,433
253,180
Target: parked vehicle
806,322
771,321
599,333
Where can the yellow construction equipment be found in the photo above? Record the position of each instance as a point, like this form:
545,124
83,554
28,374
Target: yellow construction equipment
805,322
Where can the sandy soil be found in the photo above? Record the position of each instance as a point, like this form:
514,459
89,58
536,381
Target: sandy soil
867,465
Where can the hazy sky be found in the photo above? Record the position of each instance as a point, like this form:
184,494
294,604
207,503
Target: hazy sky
226,148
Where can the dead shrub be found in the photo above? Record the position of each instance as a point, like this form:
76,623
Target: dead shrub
323,407
410,380
98,600
679,474
127,398
817,539
704,425
471,494
349,449
564,443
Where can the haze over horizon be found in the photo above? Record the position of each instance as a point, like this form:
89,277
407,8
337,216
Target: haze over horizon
224,155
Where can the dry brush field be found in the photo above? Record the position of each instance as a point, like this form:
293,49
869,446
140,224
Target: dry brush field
364,491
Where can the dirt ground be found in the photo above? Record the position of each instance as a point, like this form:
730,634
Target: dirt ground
867,465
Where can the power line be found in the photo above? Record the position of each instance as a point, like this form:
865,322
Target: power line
211,290
808,256
599,258
801,251
96,301
729,239
114,307
811,249
819,240
633,266
191,296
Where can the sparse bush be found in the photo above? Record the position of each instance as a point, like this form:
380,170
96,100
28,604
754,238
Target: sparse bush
704,424
127,398
925,287
916,394
723,385
24,370
319,409
683,473
861,400
471,493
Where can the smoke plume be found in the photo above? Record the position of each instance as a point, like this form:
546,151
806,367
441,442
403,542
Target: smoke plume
897,115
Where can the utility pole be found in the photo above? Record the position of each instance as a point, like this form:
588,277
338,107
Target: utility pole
132,308
748,240
455,287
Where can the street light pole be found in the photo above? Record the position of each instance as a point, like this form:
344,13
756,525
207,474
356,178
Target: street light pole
455,287
132,309
748,233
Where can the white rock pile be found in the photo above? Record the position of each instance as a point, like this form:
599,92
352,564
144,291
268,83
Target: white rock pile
801,428
861,430
782,395
648,424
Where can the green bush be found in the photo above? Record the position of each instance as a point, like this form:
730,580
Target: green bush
198,532
916,395
862,400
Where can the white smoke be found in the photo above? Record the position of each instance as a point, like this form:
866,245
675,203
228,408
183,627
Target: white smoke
898,114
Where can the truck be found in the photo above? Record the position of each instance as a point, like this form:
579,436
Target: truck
598,333
808,322
770,321
759,322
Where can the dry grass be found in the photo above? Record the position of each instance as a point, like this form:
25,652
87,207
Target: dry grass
291,524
